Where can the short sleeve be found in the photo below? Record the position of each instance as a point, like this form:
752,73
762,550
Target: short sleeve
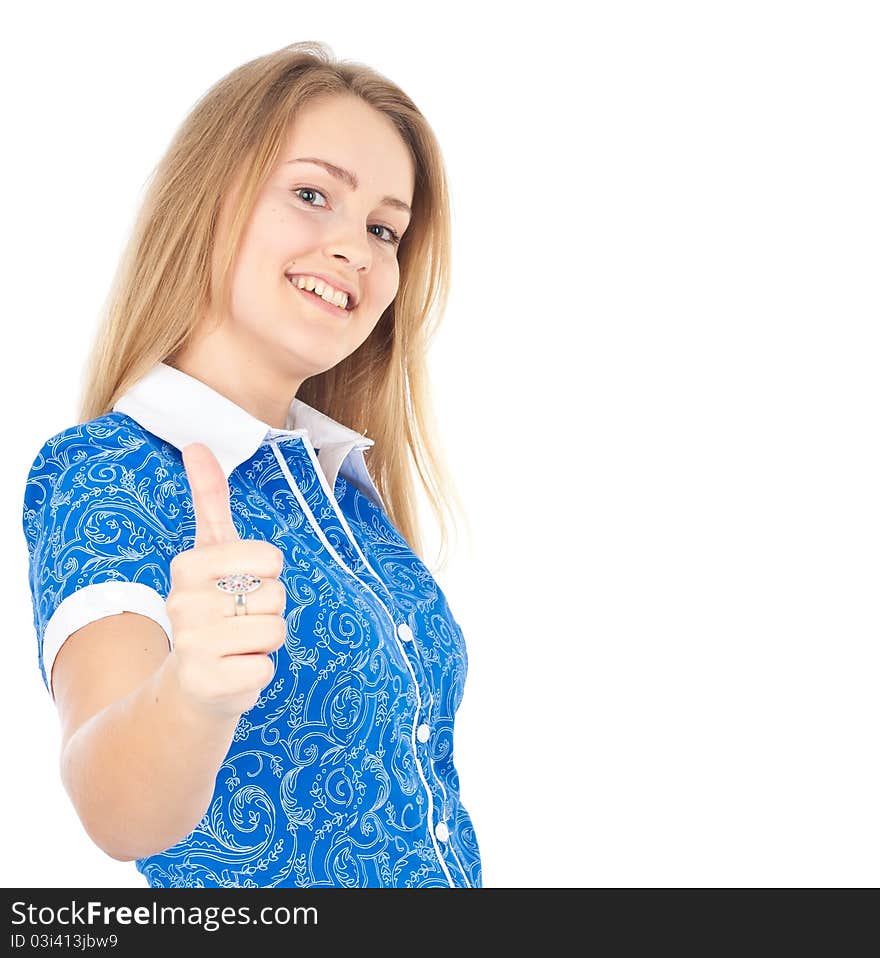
100,520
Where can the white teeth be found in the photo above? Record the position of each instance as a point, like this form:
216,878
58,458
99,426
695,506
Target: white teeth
324,290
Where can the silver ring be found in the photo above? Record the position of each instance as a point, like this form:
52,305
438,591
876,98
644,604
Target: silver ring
239,584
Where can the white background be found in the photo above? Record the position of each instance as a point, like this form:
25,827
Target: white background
657,384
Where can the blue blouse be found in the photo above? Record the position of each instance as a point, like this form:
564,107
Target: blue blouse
341,775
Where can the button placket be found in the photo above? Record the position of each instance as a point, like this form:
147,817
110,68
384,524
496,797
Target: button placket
367,574
423,735
429,789
409,650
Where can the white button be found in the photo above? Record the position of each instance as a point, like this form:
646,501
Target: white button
405,632
423,732
442,832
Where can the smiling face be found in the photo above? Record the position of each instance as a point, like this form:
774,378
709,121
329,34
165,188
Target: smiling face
310,222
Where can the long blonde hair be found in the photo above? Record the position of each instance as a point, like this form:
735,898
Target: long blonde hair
162,285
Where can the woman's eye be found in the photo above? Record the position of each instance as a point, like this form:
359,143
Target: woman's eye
308,189
393,237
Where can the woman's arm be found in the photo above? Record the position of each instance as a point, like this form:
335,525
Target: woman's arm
138,762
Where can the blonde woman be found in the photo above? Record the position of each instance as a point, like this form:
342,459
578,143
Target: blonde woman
256,674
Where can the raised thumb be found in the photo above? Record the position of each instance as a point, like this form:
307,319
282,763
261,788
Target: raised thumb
210,496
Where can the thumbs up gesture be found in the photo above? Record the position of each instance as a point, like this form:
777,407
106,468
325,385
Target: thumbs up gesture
221,659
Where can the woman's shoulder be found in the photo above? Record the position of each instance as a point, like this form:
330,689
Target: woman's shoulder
115,437
100,455
110,463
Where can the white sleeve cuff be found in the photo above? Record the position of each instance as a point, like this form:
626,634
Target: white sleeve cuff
96,601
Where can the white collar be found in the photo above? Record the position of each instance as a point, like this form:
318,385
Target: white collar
181,409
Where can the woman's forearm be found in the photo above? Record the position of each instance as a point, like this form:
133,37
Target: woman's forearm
141,772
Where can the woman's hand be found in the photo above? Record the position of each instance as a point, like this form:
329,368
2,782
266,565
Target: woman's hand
222,660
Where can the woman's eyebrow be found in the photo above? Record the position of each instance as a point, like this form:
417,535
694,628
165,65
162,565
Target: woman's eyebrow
350,180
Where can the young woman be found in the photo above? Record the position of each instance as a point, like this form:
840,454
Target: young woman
257,676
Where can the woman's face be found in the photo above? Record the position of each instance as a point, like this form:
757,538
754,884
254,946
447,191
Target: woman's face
307,221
